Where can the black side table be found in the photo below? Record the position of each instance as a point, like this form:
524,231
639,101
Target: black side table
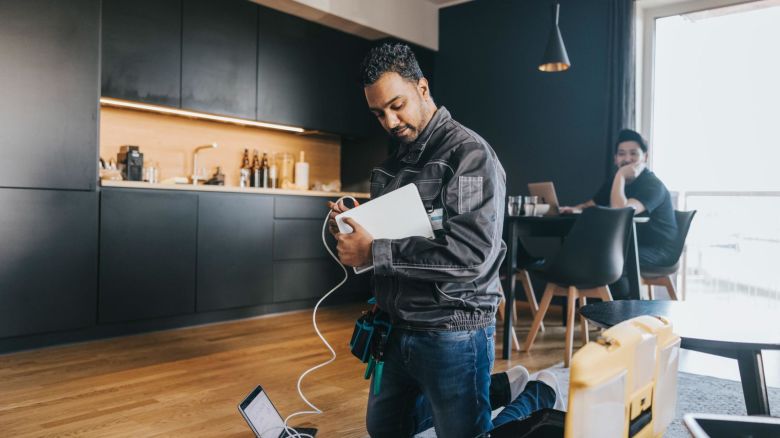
724,329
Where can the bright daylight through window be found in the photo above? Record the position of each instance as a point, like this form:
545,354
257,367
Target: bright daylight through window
716,143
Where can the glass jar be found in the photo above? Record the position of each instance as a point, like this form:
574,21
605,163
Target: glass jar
285,162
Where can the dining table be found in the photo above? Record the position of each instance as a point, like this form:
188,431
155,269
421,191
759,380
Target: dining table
520,227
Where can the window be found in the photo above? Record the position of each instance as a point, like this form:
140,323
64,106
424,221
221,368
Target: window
714,118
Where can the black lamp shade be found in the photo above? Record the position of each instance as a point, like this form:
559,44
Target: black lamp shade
555,56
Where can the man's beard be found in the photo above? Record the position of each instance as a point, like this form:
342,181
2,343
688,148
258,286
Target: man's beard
405,140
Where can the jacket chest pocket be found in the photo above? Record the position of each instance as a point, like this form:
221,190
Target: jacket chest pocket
380,179
429,189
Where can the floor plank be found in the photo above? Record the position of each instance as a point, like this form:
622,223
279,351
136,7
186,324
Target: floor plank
187,382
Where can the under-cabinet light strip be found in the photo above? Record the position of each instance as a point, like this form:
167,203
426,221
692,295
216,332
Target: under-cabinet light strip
119,103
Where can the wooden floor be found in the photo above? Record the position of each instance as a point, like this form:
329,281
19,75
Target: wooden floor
187,382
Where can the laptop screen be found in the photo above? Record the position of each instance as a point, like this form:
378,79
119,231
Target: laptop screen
261,414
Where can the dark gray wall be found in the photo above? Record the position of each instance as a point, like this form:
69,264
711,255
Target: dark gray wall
544,126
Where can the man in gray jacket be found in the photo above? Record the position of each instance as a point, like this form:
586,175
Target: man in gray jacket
441,294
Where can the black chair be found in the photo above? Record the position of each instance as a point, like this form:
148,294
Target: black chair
591,257
653,275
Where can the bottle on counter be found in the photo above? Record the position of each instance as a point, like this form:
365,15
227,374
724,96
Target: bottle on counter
273,176
302,173
255,175
152,173
245,171
264,168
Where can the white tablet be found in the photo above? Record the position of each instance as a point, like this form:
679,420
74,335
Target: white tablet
395,215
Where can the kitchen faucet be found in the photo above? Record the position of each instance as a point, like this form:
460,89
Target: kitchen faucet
195,160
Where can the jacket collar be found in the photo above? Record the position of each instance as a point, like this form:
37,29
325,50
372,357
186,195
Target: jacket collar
413,151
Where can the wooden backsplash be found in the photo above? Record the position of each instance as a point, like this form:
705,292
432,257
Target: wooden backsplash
169,142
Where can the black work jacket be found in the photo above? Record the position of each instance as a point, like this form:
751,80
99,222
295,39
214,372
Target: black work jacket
449,282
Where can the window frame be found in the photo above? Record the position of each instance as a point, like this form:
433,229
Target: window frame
647,12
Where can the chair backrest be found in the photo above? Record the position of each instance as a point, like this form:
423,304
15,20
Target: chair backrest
595,249
684,219
625,383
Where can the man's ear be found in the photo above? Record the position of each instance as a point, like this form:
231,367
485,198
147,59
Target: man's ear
423,88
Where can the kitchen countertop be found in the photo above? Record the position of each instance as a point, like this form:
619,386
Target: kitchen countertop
229,189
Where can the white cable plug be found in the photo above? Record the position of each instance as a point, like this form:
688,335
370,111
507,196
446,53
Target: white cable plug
291,432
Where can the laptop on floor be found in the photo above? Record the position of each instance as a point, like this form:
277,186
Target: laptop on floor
263,418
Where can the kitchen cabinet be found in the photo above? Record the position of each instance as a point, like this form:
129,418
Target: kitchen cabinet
49,53
219,57
303,269
235,233
48,260
141,50
308,75
298,239
301,207
147,254
305,279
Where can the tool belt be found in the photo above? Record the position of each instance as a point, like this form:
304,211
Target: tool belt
369,338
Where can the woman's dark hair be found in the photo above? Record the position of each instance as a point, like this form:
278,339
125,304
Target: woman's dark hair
631,135
390,57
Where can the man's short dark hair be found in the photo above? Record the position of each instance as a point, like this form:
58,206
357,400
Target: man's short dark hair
631,135
390,57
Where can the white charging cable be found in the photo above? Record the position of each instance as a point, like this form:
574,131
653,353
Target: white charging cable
291,433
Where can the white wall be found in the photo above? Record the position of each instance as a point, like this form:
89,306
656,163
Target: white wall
416,21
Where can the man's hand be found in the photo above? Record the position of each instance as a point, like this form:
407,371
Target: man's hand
335,210
631,171
566,210
354,248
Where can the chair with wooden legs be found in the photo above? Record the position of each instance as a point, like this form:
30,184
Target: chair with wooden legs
525,261
591,257
653,275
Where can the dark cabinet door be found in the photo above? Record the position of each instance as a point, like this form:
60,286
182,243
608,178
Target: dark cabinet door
308,75
147,254
305,279
219,57
298,239
48,260
234,250
141,45
293,84
49,93
356,118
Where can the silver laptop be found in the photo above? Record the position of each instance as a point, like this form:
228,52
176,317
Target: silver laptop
264,419
546,193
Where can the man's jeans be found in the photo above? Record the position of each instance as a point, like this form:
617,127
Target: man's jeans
452,371
535,397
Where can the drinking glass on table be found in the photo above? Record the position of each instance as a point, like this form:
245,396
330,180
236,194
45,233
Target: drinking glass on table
529,205
514,205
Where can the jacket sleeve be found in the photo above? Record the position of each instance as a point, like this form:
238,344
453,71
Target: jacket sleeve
473,201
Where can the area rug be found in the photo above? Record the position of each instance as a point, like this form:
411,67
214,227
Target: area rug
699,394
695,394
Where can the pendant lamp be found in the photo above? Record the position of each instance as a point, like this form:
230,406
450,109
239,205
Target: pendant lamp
555,56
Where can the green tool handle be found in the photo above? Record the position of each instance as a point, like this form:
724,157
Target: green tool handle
369,368
378,376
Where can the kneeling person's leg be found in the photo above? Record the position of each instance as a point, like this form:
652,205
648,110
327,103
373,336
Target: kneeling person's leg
537,395
453,369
